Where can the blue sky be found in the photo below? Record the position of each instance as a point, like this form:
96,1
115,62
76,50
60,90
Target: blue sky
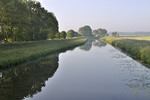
114,15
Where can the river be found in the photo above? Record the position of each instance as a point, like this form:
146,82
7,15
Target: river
94,71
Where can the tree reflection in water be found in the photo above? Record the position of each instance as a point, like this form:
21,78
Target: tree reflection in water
88,45
92,41
99,43
27,80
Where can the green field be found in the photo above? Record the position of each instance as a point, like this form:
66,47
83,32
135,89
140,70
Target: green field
136,37
17,53
110,38
137,47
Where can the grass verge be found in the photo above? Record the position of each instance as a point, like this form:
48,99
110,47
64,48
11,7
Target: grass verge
138,49
16,53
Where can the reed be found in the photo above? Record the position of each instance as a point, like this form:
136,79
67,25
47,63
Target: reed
137,48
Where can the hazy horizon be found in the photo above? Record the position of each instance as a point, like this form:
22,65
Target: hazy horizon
113,15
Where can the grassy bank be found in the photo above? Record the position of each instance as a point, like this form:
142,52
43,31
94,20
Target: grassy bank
16,53
137,48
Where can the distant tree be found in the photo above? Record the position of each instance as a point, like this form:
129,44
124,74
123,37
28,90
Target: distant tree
95,32
85,31
100,32
115,34
63,34
76,34
70,33
57,35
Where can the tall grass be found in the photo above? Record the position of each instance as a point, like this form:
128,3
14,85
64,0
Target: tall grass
17,53
138,49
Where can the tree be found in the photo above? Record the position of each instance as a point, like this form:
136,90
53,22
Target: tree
63,34
100,32
95,32
70,33
26,20
57,35
76,34
114,34
54,25
85,31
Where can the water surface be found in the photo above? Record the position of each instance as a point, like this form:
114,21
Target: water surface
94,71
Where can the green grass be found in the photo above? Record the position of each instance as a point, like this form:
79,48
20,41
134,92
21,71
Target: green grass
13,54
137,47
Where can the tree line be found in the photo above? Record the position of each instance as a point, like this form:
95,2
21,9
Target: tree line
85,31
26,20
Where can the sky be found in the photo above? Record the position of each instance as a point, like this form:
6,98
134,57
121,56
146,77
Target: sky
113,15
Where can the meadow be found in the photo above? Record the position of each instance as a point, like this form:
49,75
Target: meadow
13,54
137,46
136,37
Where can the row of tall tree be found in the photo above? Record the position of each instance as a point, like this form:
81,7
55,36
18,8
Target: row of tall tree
26,20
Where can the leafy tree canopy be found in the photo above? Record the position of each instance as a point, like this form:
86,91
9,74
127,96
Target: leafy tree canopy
70,33
85,31
57,35
100,32
115,34
26,20
63,34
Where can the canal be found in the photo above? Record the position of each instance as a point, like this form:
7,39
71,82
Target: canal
94,71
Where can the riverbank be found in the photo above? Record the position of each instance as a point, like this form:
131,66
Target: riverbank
16,53
137,48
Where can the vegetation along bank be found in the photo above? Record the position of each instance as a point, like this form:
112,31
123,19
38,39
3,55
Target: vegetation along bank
13,54
137,48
